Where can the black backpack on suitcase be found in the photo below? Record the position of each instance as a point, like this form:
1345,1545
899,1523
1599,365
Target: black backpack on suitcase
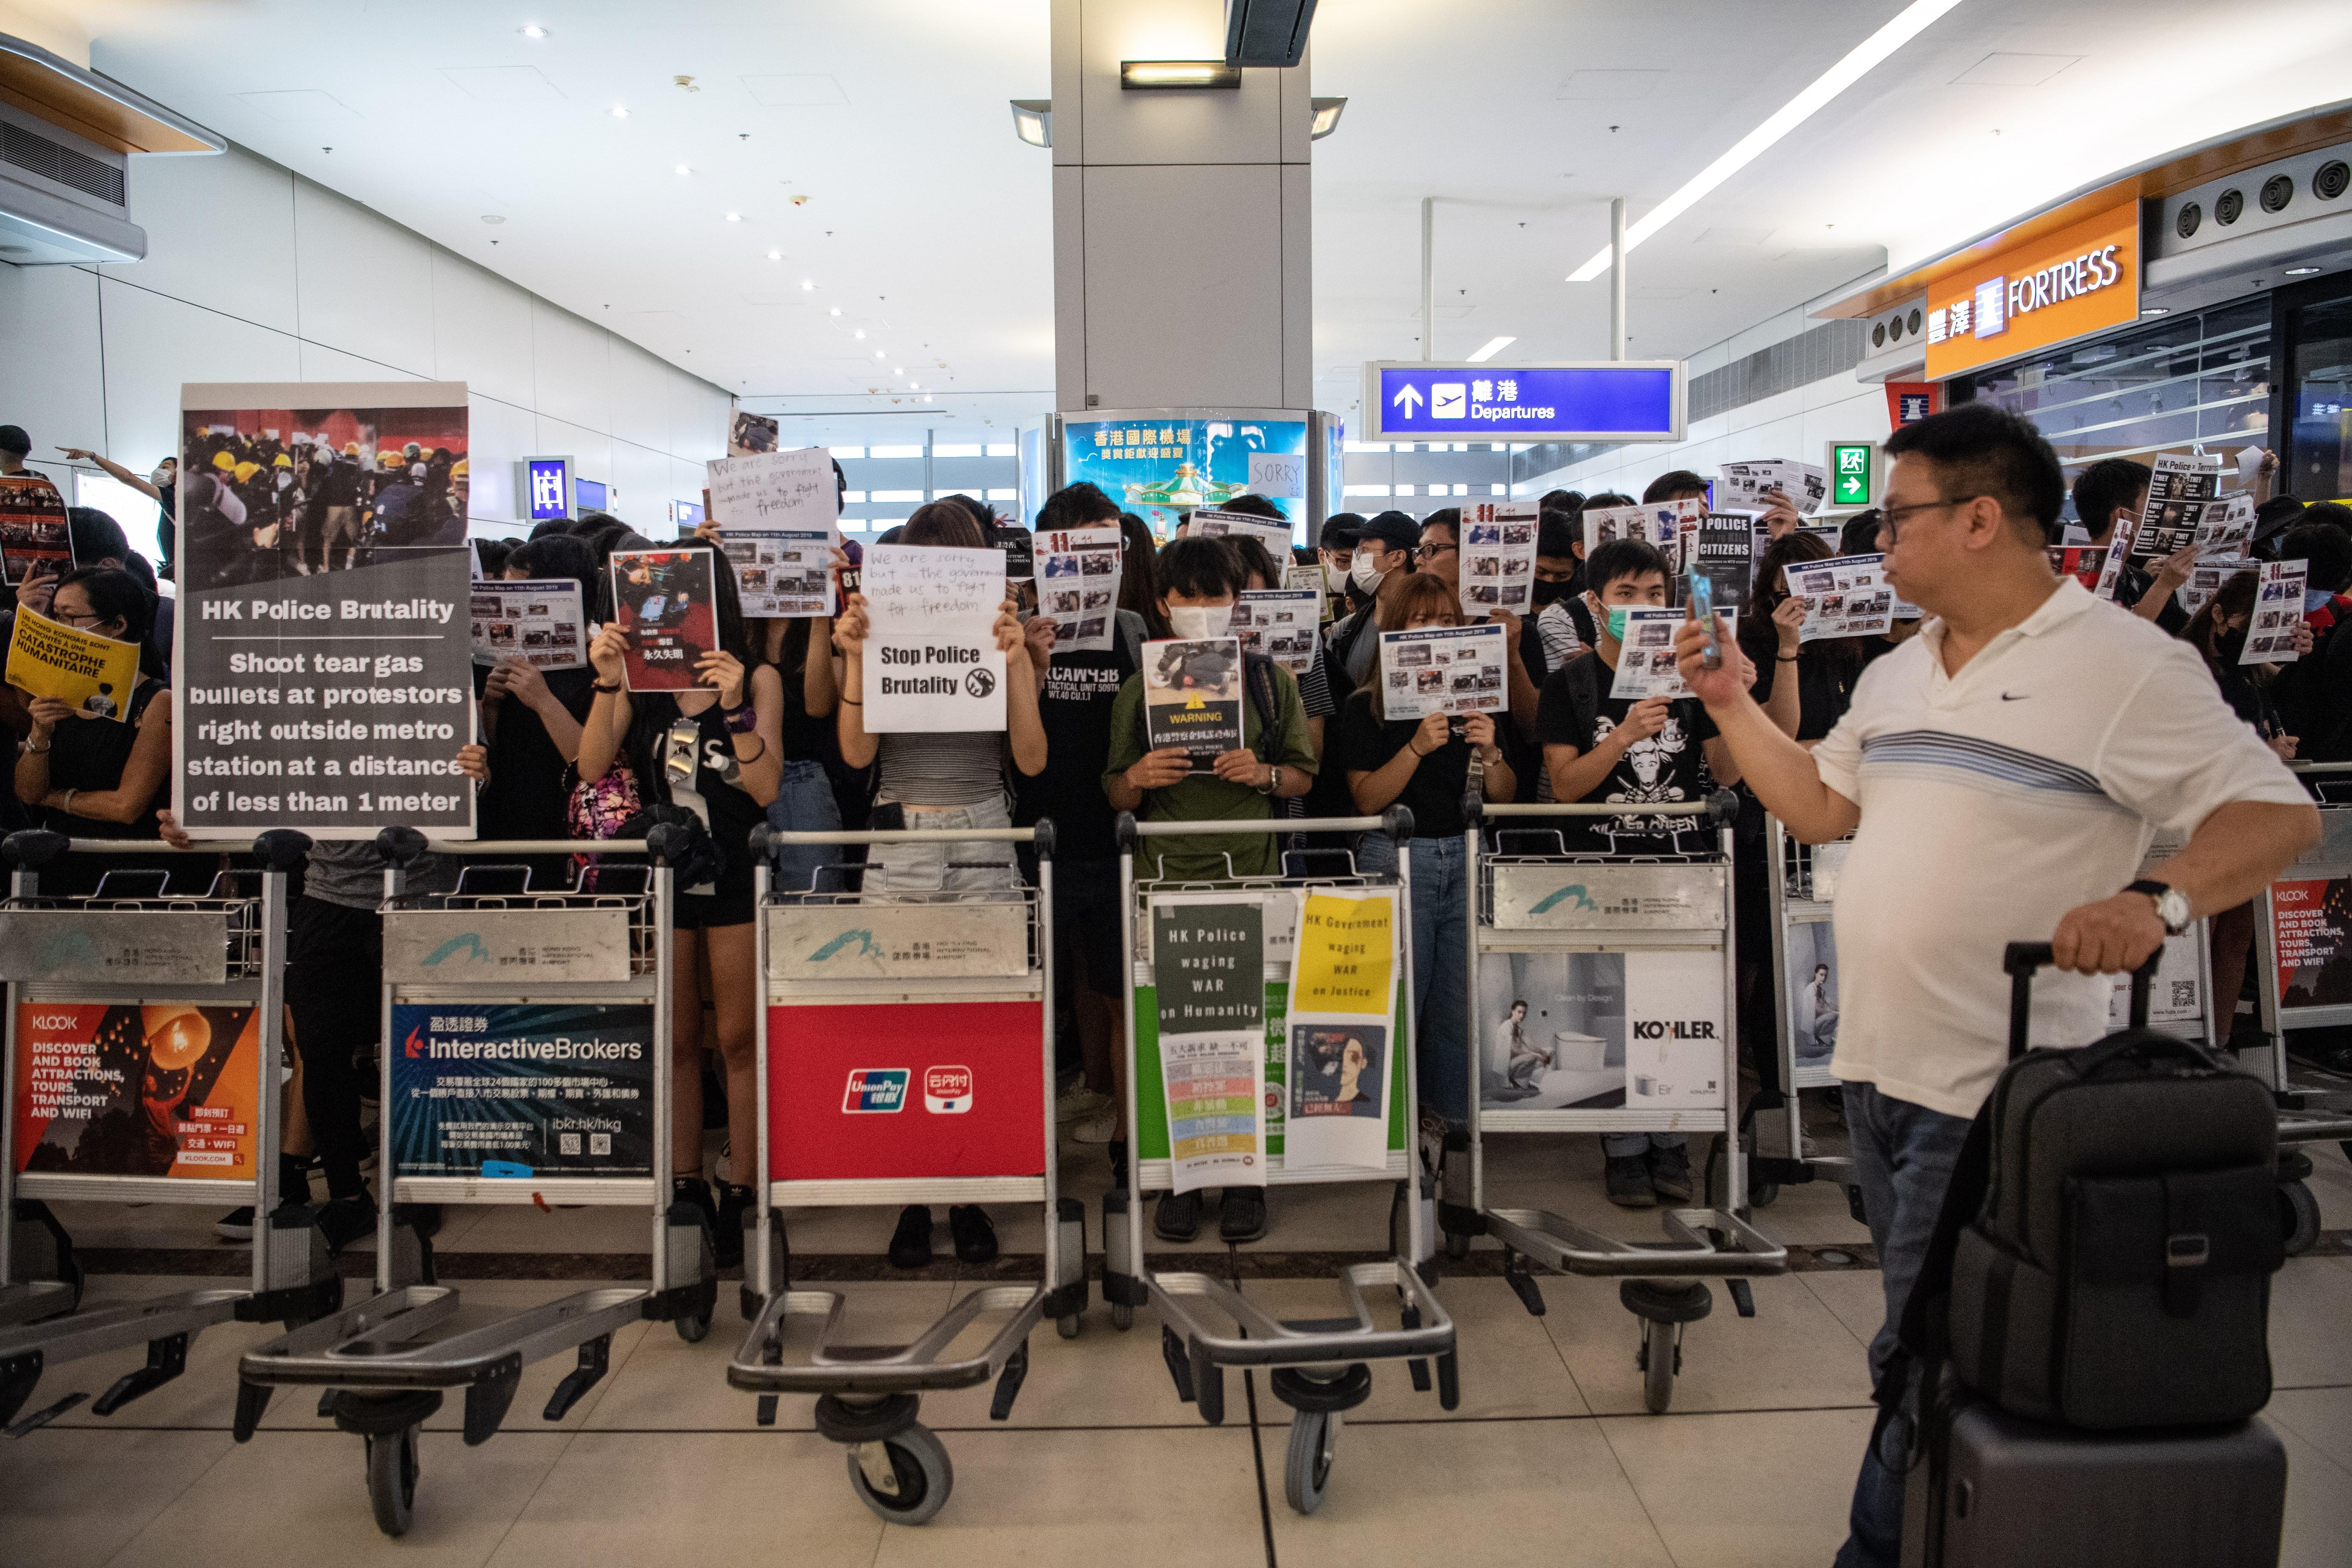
2099,1281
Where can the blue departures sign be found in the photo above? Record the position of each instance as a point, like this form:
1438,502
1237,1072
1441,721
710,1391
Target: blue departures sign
1604,400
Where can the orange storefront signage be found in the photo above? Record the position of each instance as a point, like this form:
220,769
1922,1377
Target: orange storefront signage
2083,278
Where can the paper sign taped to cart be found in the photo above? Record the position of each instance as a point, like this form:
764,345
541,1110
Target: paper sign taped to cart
1278,922
158,1089
1209,979
1553,897
1345,957
467,947
898,941
114,947
1341,1055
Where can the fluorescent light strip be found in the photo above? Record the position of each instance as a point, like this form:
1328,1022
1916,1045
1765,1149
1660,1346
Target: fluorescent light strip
1492,347
1915,19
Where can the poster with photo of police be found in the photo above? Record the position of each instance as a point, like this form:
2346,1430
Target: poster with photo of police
322,650
1192,696
666,602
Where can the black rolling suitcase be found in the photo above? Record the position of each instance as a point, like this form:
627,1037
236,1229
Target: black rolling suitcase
2084,1348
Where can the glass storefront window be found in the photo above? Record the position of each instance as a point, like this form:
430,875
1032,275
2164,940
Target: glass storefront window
2319,457
2198,377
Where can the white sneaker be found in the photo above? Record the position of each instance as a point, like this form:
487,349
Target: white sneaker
1099,1128
1080,1101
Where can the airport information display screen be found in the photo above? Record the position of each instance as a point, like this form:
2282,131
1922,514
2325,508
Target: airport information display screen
1161,465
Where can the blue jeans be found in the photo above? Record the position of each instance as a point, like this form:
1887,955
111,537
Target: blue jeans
1441,969
1903,1158
805,803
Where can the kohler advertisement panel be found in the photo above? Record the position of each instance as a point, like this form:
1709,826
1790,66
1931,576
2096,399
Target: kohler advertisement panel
324,653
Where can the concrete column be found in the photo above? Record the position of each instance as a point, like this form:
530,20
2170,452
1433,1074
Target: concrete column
1180,219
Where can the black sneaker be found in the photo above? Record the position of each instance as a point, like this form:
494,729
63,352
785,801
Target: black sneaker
726,1243
1627,1182
237,1224
910,1244
344,1220
1177,1216
1670,1175
976,1237
696,1191
1243,1219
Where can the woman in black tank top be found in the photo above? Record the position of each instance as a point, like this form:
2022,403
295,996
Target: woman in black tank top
734,725
84,772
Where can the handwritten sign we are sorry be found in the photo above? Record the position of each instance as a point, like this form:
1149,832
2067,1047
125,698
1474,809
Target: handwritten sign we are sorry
931,663
774,490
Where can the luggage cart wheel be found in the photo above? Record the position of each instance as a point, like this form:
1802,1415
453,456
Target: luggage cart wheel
1122,1315
392,1480
1661,1357
1457,1246
1854,1203
2298,1217
905,1478
1761,1194
692,1326
1306,1468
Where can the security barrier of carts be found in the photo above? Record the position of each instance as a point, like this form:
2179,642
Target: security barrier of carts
144,1036
1801,888
906,1055
526,1057
1319,1367
1600,1002
2303,978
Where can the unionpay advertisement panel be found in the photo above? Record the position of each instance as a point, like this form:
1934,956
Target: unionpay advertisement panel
861,1092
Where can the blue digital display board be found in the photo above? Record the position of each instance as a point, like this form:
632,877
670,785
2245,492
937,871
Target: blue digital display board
591,494
546,489
1161,463
1603,400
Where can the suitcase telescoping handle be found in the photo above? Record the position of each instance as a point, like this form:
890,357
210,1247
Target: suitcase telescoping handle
2020,958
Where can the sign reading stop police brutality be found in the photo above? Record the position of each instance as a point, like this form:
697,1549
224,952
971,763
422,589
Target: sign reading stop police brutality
323,648
932,659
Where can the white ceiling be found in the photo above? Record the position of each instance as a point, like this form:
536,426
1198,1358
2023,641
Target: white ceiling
926,222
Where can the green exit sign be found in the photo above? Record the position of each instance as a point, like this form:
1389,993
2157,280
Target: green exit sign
1849,472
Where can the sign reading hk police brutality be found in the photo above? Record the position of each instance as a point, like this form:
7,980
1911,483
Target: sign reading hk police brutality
932,659
323,646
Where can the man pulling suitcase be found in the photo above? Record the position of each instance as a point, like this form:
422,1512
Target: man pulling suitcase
2002,773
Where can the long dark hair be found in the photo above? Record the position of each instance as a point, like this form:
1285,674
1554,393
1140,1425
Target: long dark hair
115,595
1138,581
2234,597
1755,631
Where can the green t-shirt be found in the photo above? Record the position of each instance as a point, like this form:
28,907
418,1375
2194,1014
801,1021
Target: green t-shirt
1203,797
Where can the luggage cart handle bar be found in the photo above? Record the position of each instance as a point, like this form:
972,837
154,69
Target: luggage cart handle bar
764,835
279,848
2319,767
1396,822
1720,809
536,846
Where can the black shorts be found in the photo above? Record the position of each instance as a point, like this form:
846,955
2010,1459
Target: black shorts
334,976
1086,923
706,912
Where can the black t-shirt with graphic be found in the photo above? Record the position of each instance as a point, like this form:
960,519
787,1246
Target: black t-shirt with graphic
1663,769
1074,709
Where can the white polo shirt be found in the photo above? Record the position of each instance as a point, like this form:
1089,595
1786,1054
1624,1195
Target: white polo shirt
1992,802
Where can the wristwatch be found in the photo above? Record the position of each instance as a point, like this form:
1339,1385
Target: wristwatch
2171,904
1273,780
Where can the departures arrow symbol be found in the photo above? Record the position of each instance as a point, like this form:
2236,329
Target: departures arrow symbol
1409,400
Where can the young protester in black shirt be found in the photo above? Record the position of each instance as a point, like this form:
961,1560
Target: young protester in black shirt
1600,749
2111,493
724,743
1426,765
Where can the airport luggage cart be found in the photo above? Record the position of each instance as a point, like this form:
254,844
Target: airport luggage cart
1535,901
906,1055
144,1039
1320,1366
564,997
2294,930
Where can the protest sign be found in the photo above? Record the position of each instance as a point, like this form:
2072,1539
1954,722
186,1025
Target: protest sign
1743,486
1278,474
2205,580
1077,586
537,620
34,532
1498,557
2181,490
1723,551
324,678
2278,613
1279,623
666,602
931,663
93,674
751,433
1645,660
2083,562
1443,669
1271,532
781,573
1192,696
1311,578
1209,977
1661,523
1343,1054
794,491
1845,596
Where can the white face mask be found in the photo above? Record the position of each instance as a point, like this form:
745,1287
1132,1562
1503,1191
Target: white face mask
161,477
1335,578
1365,572
1193,622
285,481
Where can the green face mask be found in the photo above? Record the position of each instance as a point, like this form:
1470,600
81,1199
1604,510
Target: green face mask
1615,615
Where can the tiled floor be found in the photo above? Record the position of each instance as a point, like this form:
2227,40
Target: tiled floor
1550,1459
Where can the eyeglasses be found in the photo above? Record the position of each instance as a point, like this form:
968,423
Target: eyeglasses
68,618
1890,519
1431,552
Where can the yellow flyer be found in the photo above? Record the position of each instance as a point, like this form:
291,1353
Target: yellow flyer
95,674
1346,956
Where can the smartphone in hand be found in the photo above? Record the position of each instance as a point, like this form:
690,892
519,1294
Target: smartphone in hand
1702,599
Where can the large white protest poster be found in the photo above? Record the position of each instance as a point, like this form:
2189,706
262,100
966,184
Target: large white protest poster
1497,541
769,490
931,663
1345,1053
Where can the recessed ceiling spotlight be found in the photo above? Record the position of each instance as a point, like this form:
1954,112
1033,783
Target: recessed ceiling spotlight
2302,271
914,387
807,284
685,169
860,334
532,30
775,255
897,370
835,311
734,217
2157,311
620,112
492,217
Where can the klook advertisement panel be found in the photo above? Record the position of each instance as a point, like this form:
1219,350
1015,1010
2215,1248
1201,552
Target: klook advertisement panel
160,1088
514,1090
323,660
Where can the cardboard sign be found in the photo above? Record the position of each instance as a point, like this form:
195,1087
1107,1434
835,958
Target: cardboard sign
94,674
1192,698
1444,669
537,621
931,663
666,602
774,490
